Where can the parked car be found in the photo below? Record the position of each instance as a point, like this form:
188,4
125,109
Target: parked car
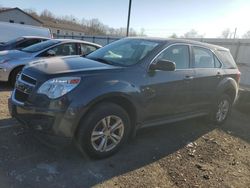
12,62
10,31
21,42
103,99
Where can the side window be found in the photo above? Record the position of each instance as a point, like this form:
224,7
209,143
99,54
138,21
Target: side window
178,54
65,49
217,63
27,43
203,58
86,49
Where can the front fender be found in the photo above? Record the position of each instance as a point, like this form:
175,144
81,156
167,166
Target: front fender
107,90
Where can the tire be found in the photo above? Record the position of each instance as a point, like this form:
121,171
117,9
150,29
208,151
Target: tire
221,110
13,76
98,140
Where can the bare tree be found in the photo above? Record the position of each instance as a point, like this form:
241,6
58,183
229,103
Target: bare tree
246,35
47,15
226,33
192,34
173,36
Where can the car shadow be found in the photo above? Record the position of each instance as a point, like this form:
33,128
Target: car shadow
238,125
31,159
5,86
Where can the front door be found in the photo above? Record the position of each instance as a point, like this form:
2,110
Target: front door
171,90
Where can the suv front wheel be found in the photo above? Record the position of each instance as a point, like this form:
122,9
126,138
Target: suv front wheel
104,130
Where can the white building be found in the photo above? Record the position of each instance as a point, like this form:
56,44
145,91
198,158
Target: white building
16,15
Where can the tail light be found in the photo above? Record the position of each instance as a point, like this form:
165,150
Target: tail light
238,76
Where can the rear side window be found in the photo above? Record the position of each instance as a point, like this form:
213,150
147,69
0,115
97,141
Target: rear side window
65,49
227,59
203,58
27,43
179,54
87,49
217,63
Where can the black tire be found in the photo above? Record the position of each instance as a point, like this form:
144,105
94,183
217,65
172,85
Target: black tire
13,76
215,110
92,120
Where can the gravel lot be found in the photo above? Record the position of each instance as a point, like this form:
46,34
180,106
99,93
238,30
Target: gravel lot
185,154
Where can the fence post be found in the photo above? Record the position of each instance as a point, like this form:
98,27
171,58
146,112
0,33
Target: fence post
237,51
93,39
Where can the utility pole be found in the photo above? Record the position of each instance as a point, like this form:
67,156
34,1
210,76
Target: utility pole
129,10
235,32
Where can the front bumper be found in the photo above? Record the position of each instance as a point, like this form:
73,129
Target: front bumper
49,122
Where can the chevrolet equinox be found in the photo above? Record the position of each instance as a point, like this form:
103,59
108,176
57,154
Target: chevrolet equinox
100,100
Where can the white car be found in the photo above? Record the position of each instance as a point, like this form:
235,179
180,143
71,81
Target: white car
13,61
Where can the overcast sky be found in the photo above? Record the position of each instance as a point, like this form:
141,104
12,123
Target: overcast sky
157,17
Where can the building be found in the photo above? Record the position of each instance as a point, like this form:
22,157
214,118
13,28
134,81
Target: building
16,15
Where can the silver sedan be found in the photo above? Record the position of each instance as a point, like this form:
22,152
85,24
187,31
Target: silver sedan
12,62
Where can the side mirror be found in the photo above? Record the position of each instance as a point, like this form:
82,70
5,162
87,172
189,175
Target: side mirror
51,53
163,65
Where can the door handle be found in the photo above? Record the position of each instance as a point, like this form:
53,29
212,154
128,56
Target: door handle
218,74
188,78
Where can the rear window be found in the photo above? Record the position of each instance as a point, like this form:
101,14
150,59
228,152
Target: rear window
40,46
227,59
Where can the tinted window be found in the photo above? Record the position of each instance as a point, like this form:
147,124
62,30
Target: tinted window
14,40
124,52
203,58
178,54
27,43
227,59
65,49
217,63
86,49
40,46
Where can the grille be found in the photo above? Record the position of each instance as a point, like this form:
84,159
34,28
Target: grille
20,96
24,86
28,79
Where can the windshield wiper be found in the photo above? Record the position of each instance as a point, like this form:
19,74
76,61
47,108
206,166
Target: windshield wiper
102,60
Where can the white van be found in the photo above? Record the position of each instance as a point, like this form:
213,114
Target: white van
9,31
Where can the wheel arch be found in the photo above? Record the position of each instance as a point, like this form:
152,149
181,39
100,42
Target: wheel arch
15,68
229,87
118,99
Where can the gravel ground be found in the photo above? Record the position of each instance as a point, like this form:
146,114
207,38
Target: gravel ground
185,154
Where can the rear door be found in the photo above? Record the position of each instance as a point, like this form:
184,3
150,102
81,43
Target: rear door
208,74
171,90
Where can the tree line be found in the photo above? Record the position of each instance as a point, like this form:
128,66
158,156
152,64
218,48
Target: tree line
91,27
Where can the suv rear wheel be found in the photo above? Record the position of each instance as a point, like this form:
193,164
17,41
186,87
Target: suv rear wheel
103,131
222,109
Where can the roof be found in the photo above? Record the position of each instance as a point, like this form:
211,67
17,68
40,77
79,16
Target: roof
37,37
78,41
16,8
171,40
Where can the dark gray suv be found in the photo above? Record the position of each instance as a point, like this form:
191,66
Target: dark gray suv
102,99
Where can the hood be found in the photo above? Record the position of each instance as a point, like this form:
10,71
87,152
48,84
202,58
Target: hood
14,54
59,65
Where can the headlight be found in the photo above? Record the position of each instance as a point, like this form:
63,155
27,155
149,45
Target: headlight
58,87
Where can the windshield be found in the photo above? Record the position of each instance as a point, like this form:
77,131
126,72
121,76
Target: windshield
40,46
124,52
13,41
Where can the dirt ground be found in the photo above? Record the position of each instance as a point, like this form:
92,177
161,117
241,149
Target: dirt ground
185,154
